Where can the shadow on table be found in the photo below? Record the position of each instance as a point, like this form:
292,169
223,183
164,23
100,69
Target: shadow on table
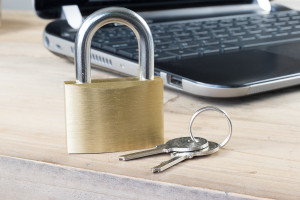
248,99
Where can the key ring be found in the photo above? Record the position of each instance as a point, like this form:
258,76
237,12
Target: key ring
216,109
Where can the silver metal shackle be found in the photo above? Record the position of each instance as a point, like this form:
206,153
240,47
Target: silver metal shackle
113,15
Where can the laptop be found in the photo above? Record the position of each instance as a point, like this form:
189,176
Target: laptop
212,48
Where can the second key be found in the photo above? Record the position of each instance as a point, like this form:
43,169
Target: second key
183,144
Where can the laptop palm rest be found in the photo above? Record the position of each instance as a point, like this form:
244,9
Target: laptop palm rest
239,69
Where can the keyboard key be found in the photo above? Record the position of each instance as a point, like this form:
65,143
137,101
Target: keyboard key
247,38
229,48
112,42
210,22
125,45
293,22
109,48
280,34
271,29
96,45
200,32
167,47
162,41
293,13
210,50
284,28
192,28
221,35
296,17
284,19
181,34
173,30
252,27
264,25
165,57
228,20
129,53
183,53
263,36
238,33
216,31
210,42
209,26
184,39
279,23
200,38
162,36
255,22
242,19
269,20
230,40
255,31
186,45
235,28
241,23
223,25
269,41
125,53
295,33
282,14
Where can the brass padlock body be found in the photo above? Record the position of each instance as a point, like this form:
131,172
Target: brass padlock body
111,115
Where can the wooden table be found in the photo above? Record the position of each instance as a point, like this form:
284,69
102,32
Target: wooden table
261,161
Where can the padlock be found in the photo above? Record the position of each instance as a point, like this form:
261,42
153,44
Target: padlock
109,115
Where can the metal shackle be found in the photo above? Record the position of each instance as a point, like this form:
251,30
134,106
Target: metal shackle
113,15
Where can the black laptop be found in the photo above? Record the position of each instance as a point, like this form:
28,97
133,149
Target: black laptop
213,48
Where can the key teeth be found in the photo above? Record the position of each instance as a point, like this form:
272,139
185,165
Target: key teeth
122,158
156,170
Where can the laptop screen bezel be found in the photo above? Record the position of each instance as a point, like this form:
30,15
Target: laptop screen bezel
51,9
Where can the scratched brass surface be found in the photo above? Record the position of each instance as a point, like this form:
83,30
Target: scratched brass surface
111,115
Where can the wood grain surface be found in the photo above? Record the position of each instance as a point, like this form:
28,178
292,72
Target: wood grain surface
262,160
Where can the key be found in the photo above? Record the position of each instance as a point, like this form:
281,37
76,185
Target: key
179,157
183,144
183,53
164,56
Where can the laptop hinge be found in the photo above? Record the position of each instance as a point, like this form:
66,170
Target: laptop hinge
73,16
264,4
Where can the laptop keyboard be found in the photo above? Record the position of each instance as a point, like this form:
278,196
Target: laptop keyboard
184,39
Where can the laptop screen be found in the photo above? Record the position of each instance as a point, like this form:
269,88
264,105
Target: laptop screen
52,8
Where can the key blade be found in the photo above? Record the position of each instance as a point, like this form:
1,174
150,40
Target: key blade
169,163
158,150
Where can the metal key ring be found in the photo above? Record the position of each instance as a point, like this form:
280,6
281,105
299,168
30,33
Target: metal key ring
216,109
